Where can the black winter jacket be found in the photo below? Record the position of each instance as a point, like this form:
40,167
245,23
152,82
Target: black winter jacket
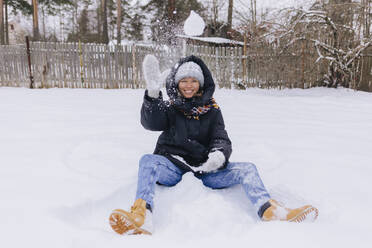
182,137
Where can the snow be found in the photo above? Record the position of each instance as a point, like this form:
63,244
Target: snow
194,24
69,157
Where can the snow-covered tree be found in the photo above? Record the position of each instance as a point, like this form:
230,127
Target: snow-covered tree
86,26
134,29
116,22
331,30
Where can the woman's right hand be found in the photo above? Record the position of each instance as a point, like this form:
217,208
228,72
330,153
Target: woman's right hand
152,75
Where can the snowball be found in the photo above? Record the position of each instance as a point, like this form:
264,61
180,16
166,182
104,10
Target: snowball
194,24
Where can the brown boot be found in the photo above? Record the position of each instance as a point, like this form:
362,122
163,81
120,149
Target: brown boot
276,211
138,221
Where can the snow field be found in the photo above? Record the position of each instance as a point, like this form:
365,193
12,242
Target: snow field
69,157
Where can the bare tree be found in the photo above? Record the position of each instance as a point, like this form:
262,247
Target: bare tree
214,14
35,19
118,22
365,17
229,14
99,19
74,16
2,40
6,23
215,9
171,9
43,21
250,25
105,37
216,23
254,12
328,39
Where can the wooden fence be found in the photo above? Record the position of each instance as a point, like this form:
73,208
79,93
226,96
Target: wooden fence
75,65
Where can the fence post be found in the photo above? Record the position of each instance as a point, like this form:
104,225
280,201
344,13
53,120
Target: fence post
134,74
81,65
29,62
244,81
217,66
302,86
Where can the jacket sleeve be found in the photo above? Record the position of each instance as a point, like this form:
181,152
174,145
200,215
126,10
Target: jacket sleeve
154,113
220,140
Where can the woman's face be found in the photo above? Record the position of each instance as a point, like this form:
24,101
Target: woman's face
188,87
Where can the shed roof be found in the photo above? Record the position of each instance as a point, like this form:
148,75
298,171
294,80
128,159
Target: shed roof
216,40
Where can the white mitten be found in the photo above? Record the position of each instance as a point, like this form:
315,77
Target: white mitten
215,160
152,75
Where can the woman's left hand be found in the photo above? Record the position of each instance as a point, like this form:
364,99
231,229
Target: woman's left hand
216,159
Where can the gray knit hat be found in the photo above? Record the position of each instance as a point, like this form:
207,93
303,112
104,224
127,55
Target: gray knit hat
190,69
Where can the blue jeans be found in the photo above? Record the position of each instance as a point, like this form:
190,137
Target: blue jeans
155,168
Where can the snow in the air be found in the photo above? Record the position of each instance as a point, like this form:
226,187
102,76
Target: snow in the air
70,156
194,24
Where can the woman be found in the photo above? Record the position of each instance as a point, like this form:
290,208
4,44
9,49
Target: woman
194,140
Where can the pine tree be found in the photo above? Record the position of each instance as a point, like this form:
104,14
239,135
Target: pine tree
113,22
20,5
133,24
84,31
83,23
135,30
76,14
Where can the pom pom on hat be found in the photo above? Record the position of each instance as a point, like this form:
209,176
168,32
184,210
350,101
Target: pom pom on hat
190,69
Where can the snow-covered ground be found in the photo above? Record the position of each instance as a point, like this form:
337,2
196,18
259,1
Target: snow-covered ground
69,157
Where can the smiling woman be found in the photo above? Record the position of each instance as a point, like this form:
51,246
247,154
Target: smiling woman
193,140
